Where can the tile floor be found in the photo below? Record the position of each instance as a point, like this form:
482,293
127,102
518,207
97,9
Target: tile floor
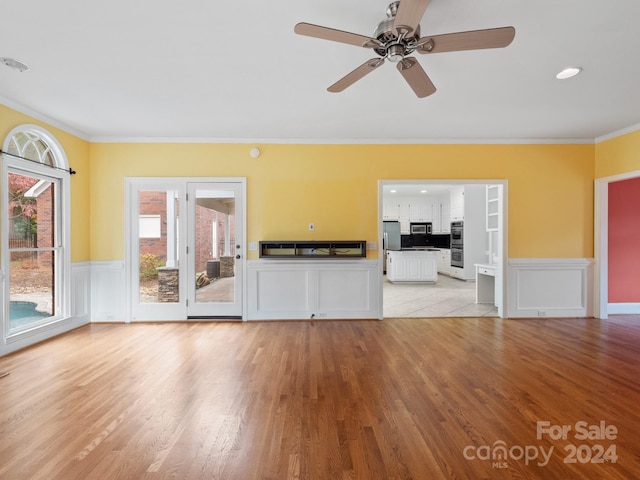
448,297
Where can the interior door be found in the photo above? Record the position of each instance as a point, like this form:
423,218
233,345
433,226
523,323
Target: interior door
215,250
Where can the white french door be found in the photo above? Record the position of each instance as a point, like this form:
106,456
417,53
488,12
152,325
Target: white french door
186,248
215,250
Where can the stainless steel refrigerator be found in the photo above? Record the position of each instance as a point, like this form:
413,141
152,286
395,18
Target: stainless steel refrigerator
390,239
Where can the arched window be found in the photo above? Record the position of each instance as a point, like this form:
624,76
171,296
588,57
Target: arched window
35,231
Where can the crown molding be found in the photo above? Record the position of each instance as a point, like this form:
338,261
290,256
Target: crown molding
52,122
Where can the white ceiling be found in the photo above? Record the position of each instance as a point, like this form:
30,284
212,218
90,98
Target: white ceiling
235,71
408,188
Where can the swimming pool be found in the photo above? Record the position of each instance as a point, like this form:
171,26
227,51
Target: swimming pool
24,312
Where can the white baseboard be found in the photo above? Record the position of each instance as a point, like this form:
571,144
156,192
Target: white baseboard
623,308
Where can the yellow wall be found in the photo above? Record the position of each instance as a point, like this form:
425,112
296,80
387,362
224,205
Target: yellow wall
550,208
618,155
336,187
77,151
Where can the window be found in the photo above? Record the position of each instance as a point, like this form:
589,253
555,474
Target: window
35,231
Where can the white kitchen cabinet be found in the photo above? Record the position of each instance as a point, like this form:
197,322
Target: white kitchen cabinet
444,261
457,203
417,209
404,212
406,209
390,209
412,266
441,217
420,210
446,217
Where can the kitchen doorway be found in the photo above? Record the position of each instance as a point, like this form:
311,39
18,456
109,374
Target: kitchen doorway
438,203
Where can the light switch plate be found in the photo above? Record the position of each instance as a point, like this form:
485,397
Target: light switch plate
372,246
253,246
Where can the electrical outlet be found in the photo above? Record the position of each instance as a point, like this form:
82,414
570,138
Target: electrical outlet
312,227
542,313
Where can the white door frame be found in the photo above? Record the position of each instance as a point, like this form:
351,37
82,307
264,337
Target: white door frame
601,241
165,312
222,310
502,238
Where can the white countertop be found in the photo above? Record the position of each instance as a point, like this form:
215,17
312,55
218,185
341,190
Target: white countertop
487,265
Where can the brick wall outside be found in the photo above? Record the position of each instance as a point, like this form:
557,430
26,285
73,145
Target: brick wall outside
45,225
155,203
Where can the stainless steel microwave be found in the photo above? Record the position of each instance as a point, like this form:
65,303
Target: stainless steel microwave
420,229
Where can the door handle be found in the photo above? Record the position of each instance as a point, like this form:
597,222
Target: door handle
238,256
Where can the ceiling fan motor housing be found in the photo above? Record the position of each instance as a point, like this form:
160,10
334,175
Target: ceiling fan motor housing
394,45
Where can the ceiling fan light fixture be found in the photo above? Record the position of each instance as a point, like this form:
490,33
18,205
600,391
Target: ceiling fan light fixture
395,53
568,73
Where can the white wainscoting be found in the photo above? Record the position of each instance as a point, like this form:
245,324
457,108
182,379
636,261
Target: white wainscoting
550,287
320,289
108,292
81,292
79,314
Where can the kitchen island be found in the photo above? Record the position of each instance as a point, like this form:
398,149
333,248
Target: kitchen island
412,265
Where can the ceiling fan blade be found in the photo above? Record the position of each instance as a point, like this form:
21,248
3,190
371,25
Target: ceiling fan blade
416,77
351,78
471,40
334,35
409,14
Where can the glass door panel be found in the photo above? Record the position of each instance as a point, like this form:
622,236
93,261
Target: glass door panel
155,228
215,278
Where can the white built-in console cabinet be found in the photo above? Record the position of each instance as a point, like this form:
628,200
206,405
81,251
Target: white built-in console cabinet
282,289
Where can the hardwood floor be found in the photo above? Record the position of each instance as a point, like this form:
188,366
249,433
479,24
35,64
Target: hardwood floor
398,399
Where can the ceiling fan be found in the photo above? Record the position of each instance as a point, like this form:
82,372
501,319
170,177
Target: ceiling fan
398,36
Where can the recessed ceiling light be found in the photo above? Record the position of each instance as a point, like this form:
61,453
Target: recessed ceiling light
15,64
393,191
568,73
423,191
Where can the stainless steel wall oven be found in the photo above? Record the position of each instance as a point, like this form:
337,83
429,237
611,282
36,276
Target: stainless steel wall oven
457,244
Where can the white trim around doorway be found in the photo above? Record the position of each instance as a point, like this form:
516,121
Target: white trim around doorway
601,307
503,225
135,182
